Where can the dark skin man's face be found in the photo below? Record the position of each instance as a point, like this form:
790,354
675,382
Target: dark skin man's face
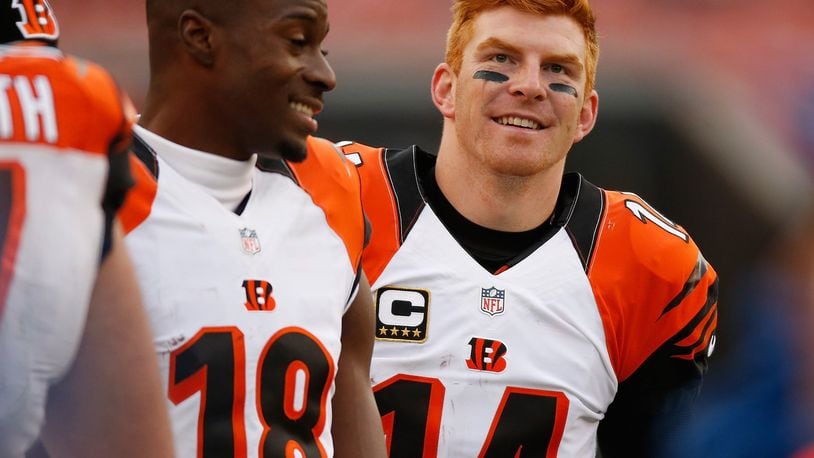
274,73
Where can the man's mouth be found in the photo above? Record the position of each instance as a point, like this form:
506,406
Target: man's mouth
302,108
516,121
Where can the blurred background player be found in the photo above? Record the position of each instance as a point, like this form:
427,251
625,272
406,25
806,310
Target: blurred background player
75,355
249,252
521,312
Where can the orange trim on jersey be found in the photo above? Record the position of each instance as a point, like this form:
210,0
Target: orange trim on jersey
180,390
333,184
388,420
638,268
139,201
435,408
14,228
62,101
380,207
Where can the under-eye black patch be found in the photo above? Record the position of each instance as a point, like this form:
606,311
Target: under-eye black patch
559,87
489,75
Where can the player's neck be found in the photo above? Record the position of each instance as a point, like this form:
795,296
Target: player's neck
227,180
184,119
499,202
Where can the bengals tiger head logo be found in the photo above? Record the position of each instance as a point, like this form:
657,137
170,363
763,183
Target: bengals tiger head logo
28,20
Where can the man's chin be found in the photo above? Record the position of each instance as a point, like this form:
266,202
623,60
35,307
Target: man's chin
288,151
294,152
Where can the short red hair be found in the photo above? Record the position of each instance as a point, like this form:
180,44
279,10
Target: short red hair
464,13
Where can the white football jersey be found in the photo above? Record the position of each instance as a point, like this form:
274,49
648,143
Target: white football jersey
247,308
59,120
527,360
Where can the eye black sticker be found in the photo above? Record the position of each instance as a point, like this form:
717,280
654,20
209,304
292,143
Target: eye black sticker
564,88
489,75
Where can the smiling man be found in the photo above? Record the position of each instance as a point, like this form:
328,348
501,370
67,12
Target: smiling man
522,311
248,250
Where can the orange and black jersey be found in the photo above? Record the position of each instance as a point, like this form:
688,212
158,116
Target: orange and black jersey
67,104
64,134
270,281
654,293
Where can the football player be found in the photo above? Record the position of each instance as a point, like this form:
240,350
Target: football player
522,311
249,251
76,364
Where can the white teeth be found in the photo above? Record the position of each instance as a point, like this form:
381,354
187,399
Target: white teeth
302,108
518,122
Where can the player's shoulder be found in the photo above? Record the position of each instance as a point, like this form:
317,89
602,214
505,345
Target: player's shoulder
98,88
641,237
654,288
382,166
325,156
324,172
644,263
75,76
359,153
333,184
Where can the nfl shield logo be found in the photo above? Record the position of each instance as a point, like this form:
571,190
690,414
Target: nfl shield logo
248,237
491,300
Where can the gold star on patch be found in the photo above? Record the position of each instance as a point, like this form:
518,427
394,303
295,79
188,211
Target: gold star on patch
394,331
416,333
405,332
383,331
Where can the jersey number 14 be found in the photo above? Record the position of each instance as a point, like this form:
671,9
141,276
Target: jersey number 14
528,422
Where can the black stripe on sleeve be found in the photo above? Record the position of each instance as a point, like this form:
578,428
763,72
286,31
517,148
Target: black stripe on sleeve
708,309
695,277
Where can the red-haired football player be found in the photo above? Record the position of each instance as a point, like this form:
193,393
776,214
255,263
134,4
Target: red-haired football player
522,311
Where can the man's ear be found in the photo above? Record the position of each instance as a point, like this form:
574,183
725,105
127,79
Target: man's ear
443,90
587,116
195,32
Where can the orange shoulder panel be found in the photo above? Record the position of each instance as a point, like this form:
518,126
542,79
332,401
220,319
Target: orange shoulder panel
380,207
333,184
86,103
651,284
108,121
139,201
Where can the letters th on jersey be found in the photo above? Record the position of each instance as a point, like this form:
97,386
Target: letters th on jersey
402,314
34,98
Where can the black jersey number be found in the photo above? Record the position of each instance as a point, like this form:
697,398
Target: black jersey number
528,422
294,377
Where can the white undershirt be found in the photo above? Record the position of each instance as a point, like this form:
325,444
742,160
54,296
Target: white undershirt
227,180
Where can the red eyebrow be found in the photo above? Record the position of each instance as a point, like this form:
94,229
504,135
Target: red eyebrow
497,43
